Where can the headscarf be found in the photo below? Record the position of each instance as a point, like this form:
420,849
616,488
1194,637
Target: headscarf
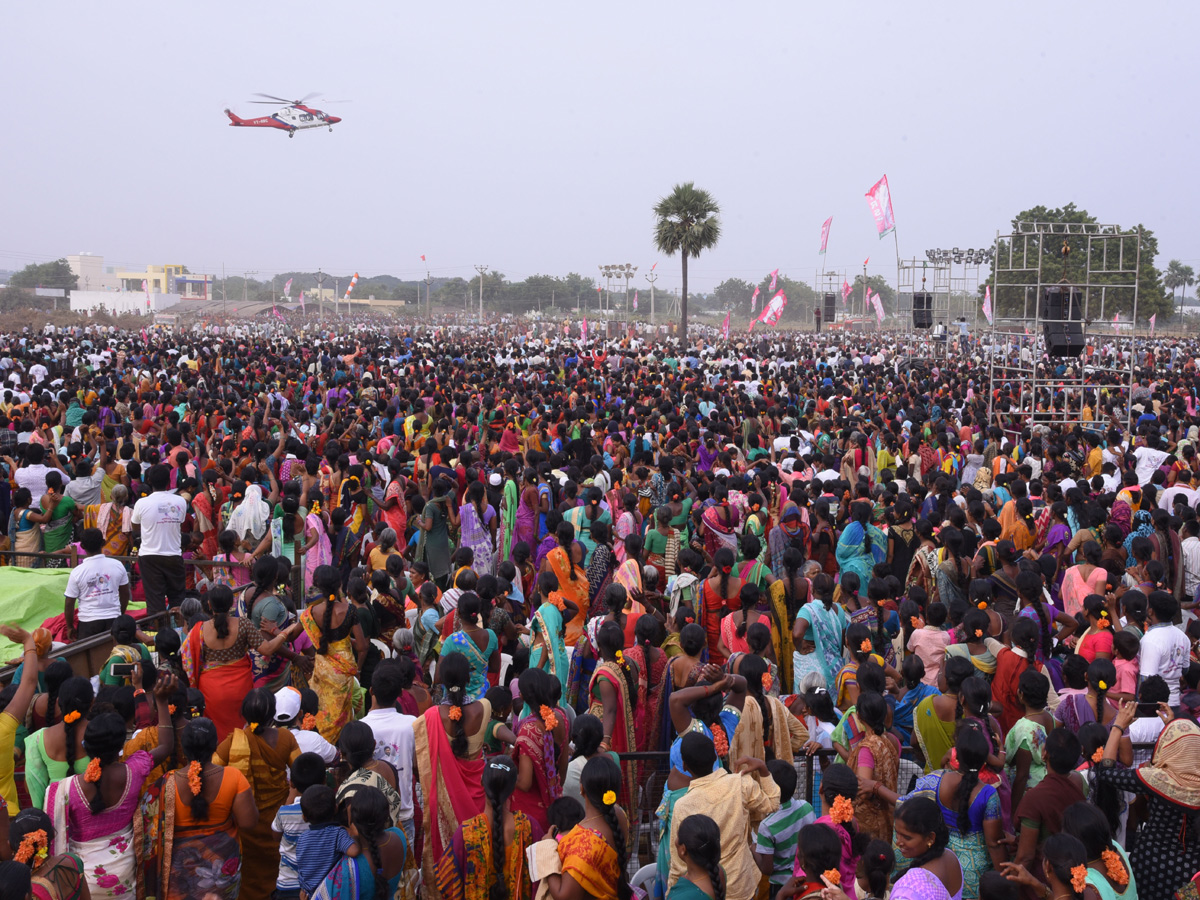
1174,770
250,518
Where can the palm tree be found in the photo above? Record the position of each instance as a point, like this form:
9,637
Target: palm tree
687,223
1178,276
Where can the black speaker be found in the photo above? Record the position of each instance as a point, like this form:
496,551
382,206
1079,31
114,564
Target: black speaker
830,313
1061,328
922,310
817,317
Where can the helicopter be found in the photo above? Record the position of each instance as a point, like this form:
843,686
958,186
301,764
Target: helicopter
292,117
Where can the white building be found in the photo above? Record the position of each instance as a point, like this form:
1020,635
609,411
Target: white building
119,302
92,274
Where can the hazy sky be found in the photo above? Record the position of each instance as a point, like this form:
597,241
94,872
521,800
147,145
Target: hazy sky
536,137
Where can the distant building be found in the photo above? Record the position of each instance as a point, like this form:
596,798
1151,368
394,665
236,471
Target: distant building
92,274
118,302
168,279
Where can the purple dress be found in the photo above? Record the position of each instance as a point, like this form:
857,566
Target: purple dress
921,884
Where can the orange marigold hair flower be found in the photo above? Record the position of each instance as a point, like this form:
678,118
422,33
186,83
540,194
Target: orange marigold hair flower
978,632
865,646
195,782
455,713
689,619
1098,755
833,876
549,720
72,717
93,771
35,843
720,742
916,621
308,723
843,810
620,658
171,708
1078,879
982,604
1115,866
767,681
1104,623
555,599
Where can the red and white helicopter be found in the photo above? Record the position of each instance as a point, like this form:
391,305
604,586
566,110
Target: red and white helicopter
291,118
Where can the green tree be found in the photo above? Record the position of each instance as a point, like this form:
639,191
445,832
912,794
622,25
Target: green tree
1067,257
687,224
733,294
55,274
877,284
1178,276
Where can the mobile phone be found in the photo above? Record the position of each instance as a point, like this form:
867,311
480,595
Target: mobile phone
1147,709
123,670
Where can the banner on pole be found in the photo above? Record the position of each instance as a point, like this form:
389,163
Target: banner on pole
774,279
878,307
1116,321
846,290
287,289
771,311
1153,319
825,235
725,328
754,301
583,331
987,303
879,199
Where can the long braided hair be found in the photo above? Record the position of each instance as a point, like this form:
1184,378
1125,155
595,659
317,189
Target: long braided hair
56,675
499,782
329,582
370,815
958,669
610,638
971,751
220,601
258,709
754,669
1029,586
701,837
455,672
601,778
74,701
199,741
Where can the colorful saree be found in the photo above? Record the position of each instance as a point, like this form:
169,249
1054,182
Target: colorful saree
466,872
781,634
474,535
652,683
525,528
509,501
116,524
537,744
717,532
332,678
588,858
854,556
624,739
452,788
266,768
352,878
461,642
574,589
224,685
321,553
548,623
197,861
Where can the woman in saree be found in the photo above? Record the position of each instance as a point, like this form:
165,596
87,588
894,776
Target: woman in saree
861,545
509,501
662,544
491,846
953,571
936,718
386,868
526,527
115,521
1081,580
357,746
1004,583
719,594
61,877
719,524
629,576
592,855
574,583
610,607
449,754
206,508
650,663
479,645
875,759
60,524
341,649
792,531
478,529
613,693
216,659
262,753
433,544
266,611
249,520
202,809
922,838
921,571
95,815
540,752
548,629
977,646
317,549
25,528
818,633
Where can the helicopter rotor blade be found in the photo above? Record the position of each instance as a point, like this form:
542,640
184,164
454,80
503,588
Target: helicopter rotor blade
271,97
307,97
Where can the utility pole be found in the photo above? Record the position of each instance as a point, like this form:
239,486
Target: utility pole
652,277
224,312
321,296
245,280
337,292
428,282
481,270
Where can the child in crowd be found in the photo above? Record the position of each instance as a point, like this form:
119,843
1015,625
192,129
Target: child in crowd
1126,648
777,836
325,842
308,770
930,642
498,734
296,710
562,815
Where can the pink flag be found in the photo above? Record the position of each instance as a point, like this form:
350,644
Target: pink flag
146,288
1027,331
865,261
583,331
422,257
635,293
878,304
566,328
1153,319
1116,321
754,301
825,235
771,311
846,290
725,327
287,288
774,278
302,301
987,303
278,314
879,199
652,268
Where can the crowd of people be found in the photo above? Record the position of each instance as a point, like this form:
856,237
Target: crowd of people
493,615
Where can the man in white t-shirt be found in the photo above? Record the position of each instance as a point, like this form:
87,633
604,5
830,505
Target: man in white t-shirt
160,556
32,475
1165,647
1149,458
393,730
100,587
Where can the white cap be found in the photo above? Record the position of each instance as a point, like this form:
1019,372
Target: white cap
287,705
